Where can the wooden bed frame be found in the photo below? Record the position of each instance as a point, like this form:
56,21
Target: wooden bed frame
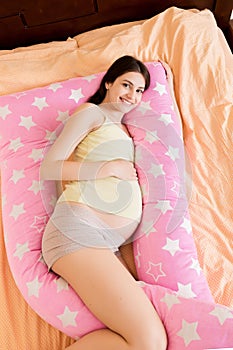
27,22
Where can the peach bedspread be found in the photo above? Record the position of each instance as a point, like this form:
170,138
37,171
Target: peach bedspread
190,42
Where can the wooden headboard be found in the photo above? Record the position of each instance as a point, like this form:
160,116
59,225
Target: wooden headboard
27,22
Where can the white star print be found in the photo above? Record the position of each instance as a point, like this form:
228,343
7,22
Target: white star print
166,118
40,103
27,122
172,246
144,107
138,155
222,314
185,290
68,317
187,225
51,135
53,201
36,186
15,144
89,77
150,231
36,154
148,227
156,170
170,300
155,270
4,112
151,137
164,206
175,187
160,88
34,287
54,87
173,153
17,210
63,116
4,164
137,257
196,266
39,223
76,95
3,200
61,284
188,332
17,175
19,95
41,259
21,249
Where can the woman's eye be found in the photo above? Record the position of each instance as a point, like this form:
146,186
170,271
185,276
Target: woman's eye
126,85
140,91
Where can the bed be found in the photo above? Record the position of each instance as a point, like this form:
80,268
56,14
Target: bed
51,43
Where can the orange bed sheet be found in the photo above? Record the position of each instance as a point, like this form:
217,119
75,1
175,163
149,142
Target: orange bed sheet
192,45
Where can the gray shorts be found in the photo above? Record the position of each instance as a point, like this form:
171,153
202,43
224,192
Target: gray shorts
73,227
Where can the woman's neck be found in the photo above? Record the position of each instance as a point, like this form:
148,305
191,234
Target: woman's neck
111,112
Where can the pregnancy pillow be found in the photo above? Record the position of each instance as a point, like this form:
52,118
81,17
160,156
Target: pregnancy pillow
165,253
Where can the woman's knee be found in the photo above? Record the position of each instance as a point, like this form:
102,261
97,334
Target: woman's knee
153,343
157,341
151,338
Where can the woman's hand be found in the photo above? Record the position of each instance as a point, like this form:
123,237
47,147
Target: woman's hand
120,168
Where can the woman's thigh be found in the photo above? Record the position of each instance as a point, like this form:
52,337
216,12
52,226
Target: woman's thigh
110,292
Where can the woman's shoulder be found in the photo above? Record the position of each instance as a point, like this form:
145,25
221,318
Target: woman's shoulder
89,112
87,107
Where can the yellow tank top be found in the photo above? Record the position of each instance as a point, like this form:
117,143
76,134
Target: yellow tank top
111,194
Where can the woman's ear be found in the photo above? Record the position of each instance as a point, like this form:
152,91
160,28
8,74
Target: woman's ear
108,85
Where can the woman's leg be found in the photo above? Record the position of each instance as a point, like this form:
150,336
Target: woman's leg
115,298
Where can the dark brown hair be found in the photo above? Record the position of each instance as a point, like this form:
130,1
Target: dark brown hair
121,66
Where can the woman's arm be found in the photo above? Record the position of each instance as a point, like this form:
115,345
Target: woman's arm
57,165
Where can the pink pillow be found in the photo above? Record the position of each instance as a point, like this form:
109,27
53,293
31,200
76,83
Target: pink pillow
165,252
164,248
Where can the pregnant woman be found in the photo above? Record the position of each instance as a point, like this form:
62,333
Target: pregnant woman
98,212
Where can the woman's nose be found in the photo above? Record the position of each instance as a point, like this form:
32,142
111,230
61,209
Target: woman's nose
132,94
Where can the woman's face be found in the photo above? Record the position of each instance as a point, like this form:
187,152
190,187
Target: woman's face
125,93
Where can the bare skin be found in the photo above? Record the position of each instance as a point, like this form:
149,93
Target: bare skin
132,323
118,301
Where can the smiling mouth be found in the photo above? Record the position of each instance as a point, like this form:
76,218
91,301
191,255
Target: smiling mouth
126,101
